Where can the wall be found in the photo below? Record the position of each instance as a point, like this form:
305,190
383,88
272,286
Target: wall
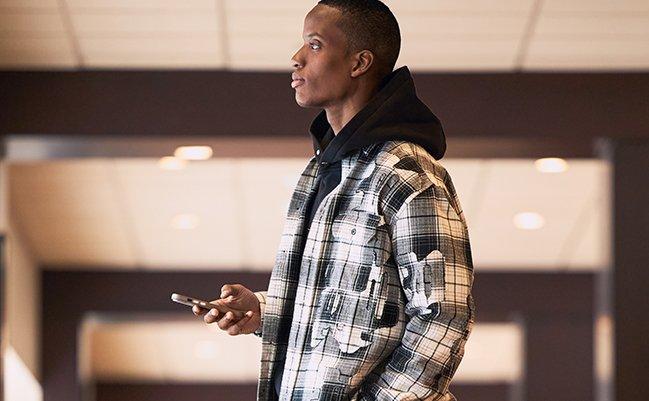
21,334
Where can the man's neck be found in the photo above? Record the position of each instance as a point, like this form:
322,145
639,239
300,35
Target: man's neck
339,115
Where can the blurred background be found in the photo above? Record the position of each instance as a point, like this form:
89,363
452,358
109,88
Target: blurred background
151,146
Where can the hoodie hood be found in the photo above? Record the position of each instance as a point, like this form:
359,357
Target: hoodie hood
393,113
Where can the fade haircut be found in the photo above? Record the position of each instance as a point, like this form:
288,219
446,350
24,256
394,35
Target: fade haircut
369,25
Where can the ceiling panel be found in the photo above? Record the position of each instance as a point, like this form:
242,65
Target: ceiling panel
261,35
153,197
141,5
145,34
25,52
188,350
138,360
33,36
184,349
590,35
399,7
596,6
261,7
589,243
85,24
266,187
30,24
162,50
69,214
451,54
514,186
592,26
270,52
273,22
27,5
602,54
149,60
467,175
473,26
190,43
100,213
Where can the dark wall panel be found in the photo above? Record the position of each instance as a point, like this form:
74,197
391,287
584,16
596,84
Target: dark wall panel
575,107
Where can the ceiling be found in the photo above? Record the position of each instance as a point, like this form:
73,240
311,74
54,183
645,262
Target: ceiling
117,213
447,35
171,350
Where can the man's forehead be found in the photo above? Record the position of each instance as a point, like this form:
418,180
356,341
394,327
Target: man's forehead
321,21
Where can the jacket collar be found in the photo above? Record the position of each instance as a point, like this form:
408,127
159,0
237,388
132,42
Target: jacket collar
393,113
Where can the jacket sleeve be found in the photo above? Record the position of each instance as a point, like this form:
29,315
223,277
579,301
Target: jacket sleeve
431,248
261,295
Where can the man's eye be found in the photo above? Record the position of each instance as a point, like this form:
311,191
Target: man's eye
314,44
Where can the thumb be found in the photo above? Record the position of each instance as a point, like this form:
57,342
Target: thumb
228,289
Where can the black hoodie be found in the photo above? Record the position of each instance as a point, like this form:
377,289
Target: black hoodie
393,113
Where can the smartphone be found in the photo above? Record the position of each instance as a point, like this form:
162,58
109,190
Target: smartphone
191,301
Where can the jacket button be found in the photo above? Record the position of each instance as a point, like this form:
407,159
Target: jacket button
353,231
317,152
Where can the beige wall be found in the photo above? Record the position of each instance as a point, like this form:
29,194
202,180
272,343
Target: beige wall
21,340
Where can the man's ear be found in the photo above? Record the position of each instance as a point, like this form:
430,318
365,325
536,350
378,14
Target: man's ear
362,63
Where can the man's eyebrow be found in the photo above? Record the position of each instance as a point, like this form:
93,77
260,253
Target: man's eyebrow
314,34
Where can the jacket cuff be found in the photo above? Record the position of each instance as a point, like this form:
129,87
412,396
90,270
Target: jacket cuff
261,296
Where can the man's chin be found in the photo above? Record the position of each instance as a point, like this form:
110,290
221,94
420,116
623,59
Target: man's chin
305,103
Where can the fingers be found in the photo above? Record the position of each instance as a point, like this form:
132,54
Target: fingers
227,321
230,299
198,311
212,316
237,327
224,319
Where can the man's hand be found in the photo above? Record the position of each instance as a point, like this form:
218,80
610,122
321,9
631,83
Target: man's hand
239,299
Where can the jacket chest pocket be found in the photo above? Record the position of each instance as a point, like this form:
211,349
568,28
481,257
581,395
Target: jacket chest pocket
356,244
355,227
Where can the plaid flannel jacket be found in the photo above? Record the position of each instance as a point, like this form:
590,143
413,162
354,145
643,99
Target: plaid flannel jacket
377,305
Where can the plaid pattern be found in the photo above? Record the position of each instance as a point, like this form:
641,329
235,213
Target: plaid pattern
378,304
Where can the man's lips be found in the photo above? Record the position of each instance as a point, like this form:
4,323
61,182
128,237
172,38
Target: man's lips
296,82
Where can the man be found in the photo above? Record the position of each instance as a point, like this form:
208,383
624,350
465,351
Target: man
370,296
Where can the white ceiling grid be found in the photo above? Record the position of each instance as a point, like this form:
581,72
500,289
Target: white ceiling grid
116,213
443,35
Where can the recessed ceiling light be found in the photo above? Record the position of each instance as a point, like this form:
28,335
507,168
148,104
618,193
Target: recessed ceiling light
529,221
172,163
184,221
551,165
193,152
205,349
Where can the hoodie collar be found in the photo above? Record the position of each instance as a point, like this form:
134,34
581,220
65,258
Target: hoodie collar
393,113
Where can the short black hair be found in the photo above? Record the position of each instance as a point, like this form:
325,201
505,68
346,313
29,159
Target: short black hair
370,25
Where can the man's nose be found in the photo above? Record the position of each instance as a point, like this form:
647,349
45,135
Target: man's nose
296,60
